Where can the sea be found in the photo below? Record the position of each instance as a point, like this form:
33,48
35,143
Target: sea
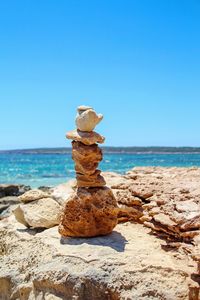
49,169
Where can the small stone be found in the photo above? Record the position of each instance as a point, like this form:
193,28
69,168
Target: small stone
87,168
94,180
33,195
154,211
187,206
193,223
145,218
82,152
87,138
86,157
132,213
89,212
87,118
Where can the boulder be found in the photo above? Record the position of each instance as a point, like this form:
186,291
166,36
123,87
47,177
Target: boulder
44,213
89,212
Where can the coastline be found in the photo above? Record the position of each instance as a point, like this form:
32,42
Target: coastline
158,230
111,150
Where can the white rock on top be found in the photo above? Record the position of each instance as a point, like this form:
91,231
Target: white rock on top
87,118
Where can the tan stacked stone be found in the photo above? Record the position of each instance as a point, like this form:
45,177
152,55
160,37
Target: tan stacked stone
86,158
92,209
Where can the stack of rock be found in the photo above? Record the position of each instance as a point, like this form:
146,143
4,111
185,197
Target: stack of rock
92,209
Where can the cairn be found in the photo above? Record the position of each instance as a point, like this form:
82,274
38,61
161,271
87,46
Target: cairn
92,209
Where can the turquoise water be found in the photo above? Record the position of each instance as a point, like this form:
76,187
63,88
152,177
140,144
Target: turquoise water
52,169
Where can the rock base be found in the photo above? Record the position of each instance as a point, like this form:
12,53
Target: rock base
89,212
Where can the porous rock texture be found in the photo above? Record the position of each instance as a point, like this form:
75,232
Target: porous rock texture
89,212
153,253
94,180
130,263
86,158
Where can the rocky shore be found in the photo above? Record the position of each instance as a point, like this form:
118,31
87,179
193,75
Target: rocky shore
153,252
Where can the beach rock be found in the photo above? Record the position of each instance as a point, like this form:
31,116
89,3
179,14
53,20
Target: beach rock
9,200
93,180
89,212
12,189
42,213
87,138
7,204
33,195
87,168
82,152
86,157
87,118
129,263
191,224
61,192
19,215
129,213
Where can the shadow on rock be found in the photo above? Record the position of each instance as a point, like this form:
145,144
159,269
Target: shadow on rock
114,240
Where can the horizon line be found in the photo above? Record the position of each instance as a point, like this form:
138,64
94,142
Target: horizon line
134,149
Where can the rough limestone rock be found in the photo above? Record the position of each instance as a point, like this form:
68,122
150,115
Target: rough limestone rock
86,158
87,138
160,261
129,263
43,213
82,153
93,180
61,192
87,118
89,212
33,195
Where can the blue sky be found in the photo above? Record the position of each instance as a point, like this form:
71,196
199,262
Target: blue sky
137,62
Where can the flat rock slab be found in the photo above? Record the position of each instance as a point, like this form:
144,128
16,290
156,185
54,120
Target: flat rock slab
87,138
129,263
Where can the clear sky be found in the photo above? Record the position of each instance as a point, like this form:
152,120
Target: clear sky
137,62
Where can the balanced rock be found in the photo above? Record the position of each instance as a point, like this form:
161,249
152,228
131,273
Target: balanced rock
87,138
86,167
87,118
82,153
93,180
89,212
86,158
